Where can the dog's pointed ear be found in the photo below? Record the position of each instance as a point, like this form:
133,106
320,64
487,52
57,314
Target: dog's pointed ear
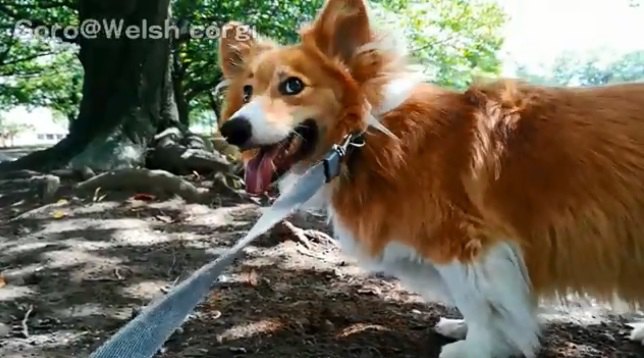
341,28
237,44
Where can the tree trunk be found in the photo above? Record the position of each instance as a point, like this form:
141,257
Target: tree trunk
127,93
178,75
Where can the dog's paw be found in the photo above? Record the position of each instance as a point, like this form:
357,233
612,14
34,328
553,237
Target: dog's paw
637,334
451,328
460,349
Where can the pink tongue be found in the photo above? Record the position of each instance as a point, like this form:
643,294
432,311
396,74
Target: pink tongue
259,172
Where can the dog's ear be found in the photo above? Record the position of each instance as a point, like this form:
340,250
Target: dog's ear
237,44
340,29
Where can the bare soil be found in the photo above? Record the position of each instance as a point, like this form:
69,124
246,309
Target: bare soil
83,266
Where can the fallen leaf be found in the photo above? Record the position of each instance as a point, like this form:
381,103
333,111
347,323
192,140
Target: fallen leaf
255,200
165,219
370,290
3,281
144,197
252,278
98,198
58,214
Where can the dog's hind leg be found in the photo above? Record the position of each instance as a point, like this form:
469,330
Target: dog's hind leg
637,334
493,293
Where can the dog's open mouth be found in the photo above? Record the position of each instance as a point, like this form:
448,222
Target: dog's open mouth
271,162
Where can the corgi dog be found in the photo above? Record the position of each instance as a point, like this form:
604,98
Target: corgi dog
490,199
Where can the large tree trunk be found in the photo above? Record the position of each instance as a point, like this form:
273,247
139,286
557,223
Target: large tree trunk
127,93
178,75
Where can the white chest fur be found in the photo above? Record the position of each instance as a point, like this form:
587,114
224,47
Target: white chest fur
396,259
496,282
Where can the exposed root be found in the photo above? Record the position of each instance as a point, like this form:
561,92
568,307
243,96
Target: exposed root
19,174
228,183
184,155
82,173
29,214
304,236
45,185
154,181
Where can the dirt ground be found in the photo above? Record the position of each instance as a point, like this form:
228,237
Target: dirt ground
73,272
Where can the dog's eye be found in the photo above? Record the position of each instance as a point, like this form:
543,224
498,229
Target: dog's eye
291,86
248,93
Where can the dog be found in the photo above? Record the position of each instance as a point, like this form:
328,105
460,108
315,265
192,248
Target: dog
489,199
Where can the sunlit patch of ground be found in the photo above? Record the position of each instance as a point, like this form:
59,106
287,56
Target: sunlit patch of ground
83,269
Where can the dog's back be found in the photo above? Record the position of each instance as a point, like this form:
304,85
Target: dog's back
563,169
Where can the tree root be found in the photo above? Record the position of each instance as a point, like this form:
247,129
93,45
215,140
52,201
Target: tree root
45,185
81,173
156,181
48,186
181,154
18,174
303,236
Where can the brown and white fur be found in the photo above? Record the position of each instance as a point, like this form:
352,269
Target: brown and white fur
489,199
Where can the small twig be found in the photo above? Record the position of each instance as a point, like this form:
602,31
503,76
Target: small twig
118,274
305,236
34,211
167,289
309,253
299,234
25,327
174,262
320,236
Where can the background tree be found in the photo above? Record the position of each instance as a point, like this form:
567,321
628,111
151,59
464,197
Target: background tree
572,69
130,101
126,90
39,71
196,72
455,41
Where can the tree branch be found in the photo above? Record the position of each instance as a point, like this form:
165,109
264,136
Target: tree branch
193,92
28,58
47,5
10,43
34,23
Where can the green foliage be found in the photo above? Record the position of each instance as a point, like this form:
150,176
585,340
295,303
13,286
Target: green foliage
35,70
571,69
54,83
196,65
454,40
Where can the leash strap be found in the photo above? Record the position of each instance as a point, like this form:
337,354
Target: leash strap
145,335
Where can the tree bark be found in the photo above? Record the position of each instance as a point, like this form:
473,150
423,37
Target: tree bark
178,75
127,92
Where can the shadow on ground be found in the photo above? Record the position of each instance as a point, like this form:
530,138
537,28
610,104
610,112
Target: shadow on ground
82,269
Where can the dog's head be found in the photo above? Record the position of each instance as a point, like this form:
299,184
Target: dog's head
288,105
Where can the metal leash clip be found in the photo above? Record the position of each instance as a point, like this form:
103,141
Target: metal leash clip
333,159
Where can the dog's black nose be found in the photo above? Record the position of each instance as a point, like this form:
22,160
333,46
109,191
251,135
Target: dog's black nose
237,131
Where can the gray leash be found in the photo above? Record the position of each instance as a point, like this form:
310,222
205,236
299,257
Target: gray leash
145,335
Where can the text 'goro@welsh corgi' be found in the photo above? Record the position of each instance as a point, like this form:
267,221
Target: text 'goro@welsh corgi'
489,199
